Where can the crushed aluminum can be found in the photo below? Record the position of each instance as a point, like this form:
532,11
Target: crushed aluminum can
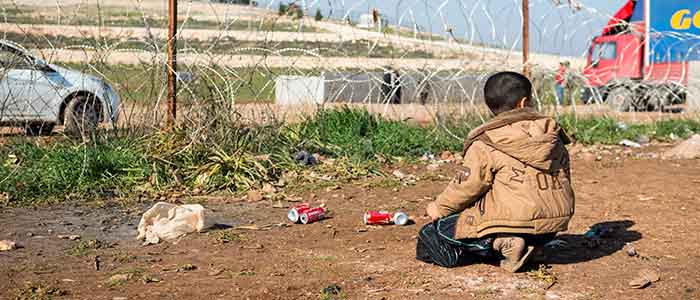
295,212
312,215
384,218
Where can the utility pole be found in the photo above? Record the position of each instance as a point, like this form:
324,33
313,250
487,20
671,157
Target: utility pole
526,37
172,64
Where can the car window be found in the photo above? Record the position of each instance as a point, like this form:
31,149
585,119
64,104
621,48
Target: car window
604,51
13,60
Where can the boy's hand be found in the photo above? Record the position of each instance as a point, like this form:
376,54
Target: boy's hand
433,211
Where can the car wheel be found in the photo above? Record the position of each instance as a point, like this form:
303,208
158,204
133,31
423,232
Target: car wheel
82,116
37,129
621,99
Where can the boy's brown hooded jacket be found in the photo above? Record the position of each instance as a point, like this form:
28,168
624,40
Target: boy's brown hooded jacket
515,178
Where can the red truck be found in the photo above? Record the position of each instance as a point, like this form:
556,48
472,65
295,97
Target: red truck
623,72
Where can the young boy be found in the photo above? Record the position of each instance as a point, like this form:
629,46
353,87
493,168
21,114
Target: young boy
512,191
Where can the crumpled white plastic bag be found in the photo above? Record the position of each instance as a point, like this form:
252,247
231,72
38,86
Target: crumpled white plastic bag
165,221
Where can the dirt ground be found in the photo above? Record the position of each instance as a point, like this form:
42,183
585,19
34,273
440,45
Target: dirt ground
651,204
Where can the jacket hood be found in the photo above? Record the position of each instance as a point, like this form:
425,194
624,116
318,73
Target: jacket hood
527,136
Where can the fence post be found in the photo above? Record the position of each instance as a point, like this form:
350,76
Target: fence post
172,64
526,37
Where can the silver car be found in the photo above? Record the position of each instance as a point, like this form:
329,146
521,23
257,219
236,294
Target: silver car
37,95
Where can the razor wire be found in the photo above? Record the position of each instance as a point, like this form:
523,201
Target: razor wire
405,59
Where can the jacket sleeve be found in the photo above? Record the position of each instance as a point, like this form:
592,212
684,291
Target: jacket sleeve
472,181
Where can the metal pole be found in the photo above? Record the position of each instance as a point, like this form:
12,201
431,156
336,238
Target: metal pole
526,37
172,64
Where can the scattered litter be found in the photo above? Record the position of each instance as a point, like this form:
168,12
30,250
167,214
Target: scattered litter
7,245
556,244
305,158
622,126
645,278
631,251
330,291
165,221
72,237
384,217
312,215
631,144
427,157
295,212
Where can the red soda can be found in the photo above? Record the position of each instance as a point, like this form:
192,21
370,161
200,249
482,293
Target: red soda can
385,217
374,217
294,212
312,215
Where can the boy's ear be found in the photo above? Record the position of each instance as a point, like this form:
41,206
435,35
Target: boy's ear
523,103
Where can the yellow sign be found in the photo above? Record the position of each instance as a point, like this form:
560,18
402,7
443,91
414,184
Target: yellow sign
681,20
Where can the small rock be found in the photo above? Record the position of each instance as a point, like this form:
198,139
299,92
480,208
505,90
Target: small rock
72,237
7,245
643,139
689,149
305,158
433,167
119,278
29,234
332,188
631,251
398,174
254,196
589,157
650,274
639,283
215,271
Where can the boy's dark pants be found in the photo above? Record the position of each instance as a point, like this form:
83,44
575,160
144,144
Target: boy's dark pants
436,244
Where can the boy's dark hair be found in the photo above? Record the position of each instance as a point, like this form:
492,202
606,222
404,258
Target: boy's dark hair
504,90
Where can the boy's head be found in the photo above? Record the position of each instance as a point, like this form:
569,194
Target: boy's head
506,91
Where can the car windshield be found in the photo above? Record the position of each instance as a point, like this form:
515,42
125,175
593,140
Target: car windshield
11,60
604,51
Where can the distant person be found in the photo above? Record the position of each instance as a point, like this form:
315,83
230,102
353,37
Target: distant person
391,86
561,82
513,189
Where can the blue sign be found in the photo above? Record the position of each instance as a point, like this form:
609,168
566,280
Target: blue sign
674,30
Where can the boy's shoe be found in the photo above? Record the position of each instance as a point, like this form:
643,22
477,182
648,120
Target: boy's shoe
514,250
